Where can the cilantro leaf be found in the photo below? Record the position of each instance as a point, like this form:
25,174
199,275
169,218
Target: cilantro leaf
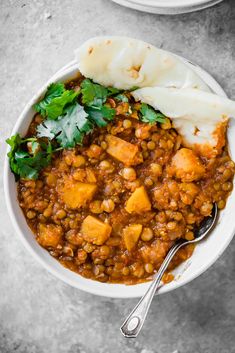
24,164
93,93
112,91
53,91
29,166
122,98
48,129
149,115
93,97
55,101
133,88
57,105
35,146
14,142
69,129
108,113
100,115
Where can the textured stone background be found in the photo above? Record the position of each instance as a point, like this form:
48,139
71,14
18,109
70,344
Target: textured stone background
40,314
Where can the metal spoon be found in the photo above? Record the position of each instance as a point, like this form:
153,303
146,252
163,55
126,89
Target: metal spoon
133,324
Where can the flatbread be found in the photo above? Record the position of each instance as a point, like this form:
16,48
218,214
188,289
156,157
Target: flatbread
124,63
200,117
165,82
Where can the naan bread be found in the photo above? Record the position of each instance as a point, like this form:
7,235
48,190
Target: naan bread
165,82
124,62
200,117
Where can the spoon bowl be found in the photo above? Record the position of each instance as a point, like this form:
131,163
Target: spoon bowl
134,322
205,226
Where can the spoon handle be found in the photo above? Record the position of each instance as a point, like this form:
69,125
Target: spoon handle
134,322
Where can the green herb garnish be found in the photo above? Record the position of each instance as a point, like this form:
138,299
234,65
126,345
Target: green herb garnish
100,115
93,97
55,100
94,94
26,164
122,98
68,130
53,91
112,91
149,115
57,106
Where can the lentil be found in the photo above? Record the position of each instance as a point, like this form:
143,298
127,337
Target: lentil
148,268
147,234
151,145
126,124
108,205
129,174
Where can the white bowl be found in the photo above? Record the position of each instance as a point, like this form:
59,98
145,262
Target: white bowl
205,254
168,7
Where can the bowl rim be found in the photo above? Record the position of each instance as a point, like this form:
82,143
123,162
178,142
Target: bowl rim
67,69
171,3
169,8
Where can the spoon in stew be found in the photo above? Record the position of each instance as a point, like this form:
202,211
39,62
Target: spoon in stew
134,322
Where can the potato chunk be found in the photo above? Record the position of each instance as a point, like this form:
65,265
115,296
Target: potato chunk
49,235
187,166
138,202
95,231
122,150
131,235
76,194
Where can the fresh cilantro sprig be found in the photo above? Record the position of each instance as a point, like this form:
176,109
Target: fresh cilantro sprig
94,94
149,115
68,130
57,106
25,164
67,122
94,97
100,116
53,91
55,101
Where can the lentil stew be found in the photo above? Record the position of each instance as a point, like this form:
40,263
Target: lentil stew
111,207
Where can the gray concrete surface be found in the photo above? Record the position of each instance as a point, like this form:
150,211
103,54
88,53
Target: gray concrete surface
40,314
